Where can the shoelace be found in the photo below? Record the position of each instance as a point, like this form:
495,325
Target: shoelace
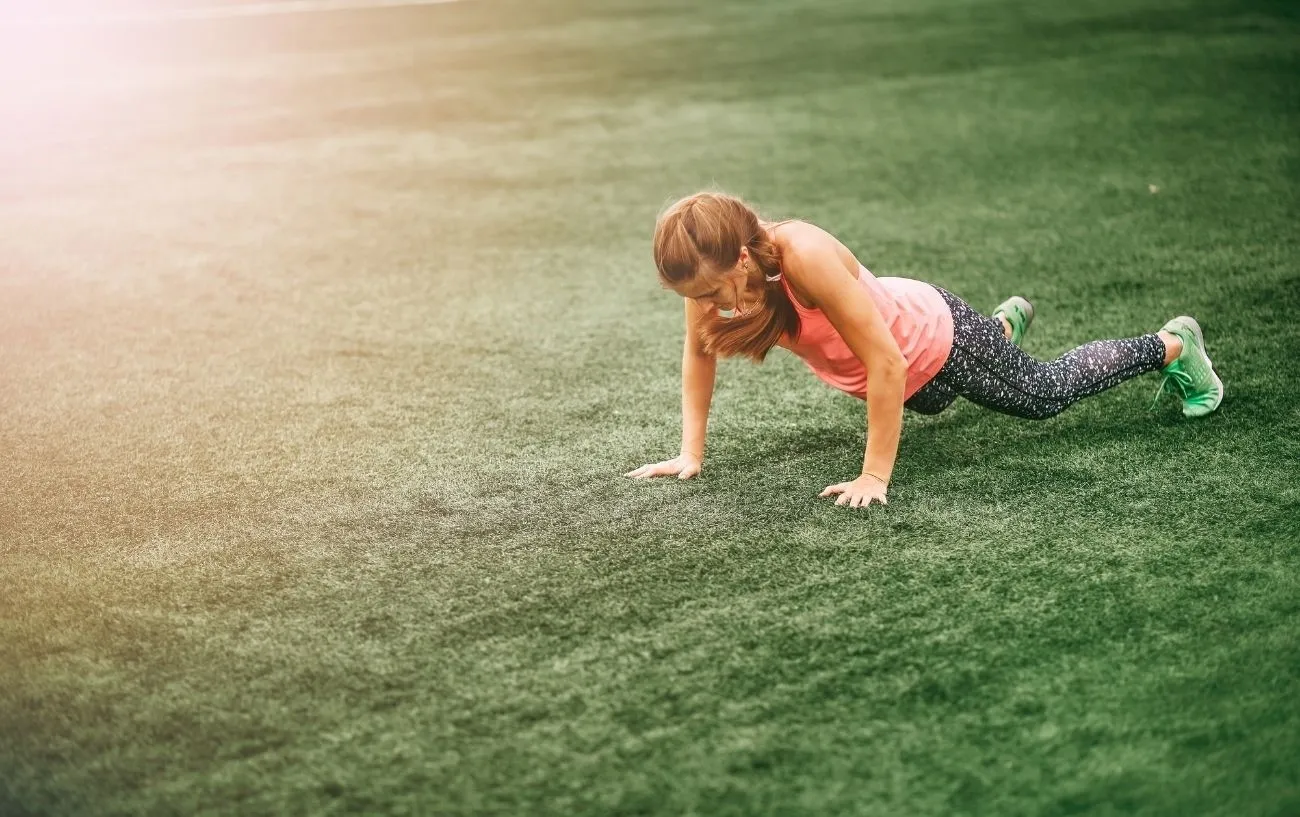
1181,380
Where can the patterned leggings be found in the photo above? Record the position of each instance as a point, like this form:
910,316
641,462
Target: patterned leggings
986,368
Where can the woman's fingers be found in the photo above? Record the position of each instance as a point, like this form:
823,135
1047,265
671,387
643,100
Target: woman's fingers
657,469
643,471
851,496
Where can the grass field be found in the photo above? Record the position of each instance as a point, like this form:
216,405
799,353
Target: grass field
325,339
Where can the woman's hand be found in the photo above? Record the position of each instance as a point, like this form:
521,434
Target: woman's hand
683,466
859,493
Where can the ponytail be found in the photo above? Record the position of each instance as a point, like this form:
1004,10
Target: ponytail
712,228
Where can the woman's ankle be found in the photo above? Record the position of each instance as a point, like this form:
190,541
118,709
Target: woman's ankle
1173,345
1006,325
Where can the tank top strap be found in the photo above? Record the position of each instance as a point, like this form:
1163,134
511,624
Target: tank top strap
798,307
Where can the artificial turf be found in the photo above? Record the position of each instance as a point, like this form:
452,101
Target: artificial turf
324,341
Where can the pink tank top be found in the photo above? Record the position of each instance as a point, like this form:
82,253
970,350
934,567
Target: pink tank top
916,314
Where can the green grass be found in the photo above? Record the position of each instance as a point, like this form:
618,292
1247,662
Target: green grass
324,341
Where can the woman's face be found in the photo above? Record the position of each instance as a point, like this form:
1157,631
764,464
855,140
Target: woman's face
720,290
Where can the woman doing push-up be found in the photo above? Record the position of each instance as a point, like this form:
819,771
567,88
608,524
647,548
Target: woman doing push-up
751,284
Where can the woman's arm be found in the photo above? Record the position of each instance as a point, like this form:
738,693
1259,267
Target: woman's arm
816,269
699,371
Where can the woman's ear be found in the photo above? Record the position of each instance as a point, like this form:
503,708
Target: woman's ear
745,264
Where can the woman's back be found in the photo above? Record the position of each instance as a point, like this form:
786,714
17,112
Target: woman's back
917,317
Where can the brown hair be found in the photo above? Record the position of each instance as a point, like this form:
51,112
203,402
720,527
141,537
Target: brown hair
711,228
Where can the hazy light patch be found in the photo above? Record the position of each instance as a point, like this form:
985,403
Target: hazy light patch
81,73
38,14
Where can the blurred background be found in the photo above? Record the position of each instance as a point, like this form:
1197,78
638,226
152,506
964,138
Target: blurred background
326,335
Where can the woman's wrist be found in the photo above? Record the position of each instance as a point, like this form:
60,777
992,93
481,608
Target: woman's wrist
876,476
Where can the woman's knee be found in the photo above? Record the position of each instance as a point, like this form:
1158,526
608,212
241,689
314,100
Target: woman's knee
1042,410
923,403
1023,406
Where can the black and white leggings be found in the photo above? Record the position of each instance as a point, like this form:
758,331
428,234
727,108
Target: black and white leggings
986,368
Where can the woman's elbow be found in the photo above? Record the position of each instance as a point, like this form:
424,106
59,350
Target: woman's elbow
891,367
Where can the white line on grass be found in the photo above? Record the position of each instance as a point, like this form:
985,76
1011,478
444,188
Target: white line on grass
222,12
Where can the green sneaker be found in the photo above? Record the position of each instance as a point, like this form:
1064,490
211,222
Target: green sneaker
1191,373
1019,313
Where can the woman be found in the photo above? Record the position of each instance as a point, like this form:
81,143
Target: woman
750,285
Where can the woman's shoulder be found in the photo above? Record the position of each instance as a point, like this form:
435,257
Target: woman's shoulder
811,259
793,230
805,245
800,240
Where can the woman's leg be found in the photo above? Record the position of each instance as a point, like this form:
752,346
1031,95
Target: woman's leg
986,368
932,398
